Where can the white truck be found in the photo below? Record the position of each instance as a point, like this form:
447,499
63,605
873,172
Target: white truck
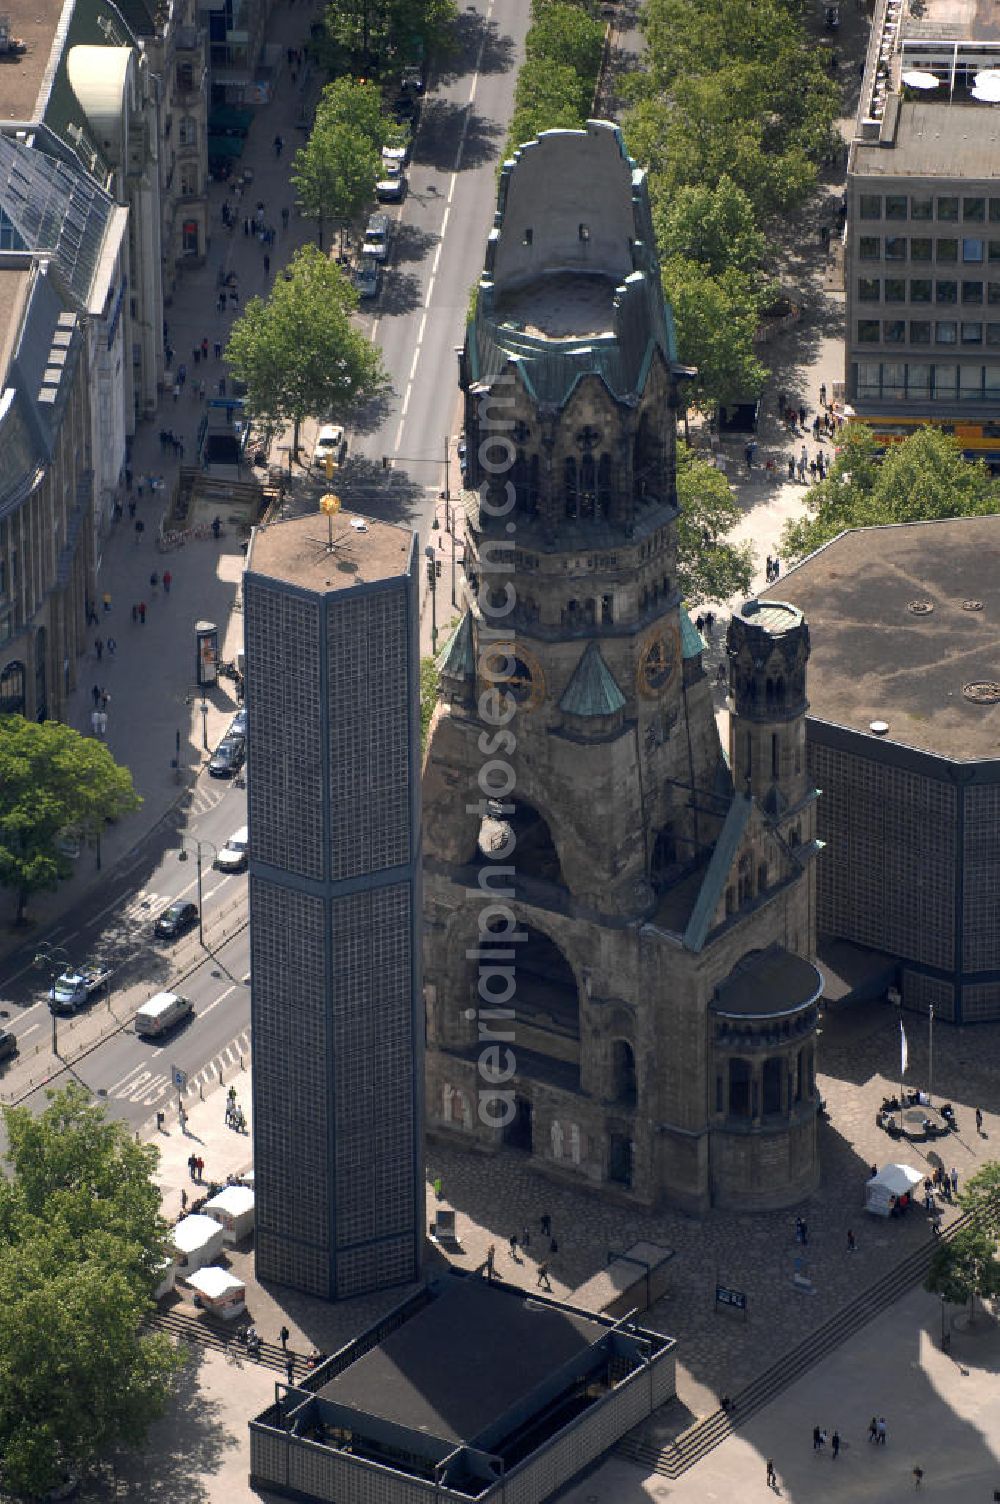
75,988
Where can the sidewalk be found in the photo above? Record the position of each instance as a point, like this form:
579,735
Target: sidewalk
153,708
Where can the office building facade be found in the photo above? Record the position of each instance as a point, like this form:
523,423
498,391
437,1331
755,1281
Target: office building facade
334,802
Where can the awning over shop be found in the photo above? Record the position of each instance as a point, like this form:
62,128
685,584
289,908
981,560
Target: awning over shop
225,146
227,117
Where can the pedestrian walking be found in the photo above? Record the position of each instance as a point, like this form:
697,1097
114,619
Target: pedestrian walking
771,1479
545,1223
873,1429
196,354
918,1476
513,1245
525,1238
805,1232
167,577
491,1254
267,264
222,386
812,471
95,722
798,1229
140,528
284,219
204,347
192,1166
142,613
835,1444
105,699
543,1277
201,1168
112,647
553,1246
777,567
220,306
246,226
283,1337
822,395
217,349
791,467
979,1122
816,428
954,1181
102,719
154,580
98,648
96,692
290,1370
851,1244
184,1201
767,569
107,607
817,1438
279,146
803,415
881,1431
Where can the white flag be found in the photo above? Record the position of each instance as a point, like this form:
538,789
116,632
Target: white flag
904,1056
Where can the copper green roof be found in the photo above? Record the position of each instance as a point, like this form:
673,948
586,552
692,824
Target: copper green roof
592,691
692,642
717,874
457,658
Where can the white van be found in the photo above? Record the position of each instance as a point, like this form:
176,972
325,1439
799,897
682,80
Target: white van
377,238
234,855
160,1013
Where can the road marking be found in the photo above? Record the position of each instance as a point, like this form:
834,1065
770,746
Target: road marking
430,292
423,326
437,258
204,1012
406,397
413,363
374,333
399,436
30,1030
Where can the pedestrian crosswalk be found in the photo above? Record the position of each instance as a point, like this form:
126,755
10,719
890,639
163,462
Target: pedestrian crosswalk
156,1088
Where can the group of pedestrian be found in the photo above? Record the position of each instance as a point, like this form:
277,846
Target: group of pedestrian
100,645
524,1243
705,623
169,440
99,714
819,1442
772,568
196,1168
235,1116
817,468
877,1432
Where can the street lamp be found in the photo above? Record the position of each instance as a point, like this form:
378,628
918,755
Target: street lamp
204,723
55,960
182,856
431,557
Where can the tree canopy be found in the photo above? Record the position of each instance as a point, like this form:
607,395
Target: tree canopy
81,1243
373,32
562,59
299,352
923,477
708,567
716,319
337,169
966,1267
982,1196
53,783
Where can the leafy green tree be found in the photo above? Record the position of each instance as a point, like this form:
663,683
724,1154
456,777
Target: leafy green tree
299,353
53,782
966,1267
566,35
374,31
713,224
335,174
709,568
357,104
982,1196
81,1243
430,681
924,477
548,96
716,319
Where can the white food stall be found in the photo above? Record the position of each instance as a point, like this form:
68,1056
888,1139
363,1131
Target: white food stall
892,1182
218,1291
197,1241
233,1207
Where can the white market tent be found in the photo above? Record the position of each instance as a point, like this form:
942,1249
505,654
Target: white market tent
218,1291
891,1181
233,1208
197,1241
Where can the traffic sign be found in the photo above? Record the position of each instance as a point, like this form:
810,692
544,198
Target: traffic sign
180,1078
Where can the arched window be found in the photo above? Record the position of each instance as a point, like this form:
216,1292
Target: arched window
775,757
12,682
623,1087
739,1089
772,1085
769,695
187,131
588,487
664,857
604,485
570,492
762,877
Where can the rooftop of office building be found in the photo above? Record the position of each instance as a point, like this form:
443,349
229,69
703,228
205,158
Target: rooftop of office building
324,554
906,631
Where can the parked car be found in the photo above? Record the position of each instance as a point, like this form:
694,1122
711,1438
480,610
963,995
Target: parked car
233,857
8,1044
406,109
228,757
238,724
368,278
400,154
377,237
392,188
412,79
176,919
330,443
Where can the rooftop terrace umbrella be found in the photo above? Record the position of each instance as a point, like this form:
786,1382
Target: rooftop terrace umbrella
988,92
916,78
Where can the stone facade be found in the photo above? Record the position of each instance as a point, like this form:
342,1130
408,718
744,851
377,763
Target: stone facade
616,917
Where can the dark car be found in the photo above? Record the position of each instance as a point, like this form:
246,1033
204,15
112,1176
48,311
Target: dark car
180,916
8,1044
406,110
228,757
238,724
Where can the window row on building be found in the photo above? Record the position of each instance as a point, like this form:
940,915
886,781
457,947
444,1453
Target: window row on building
920,382
944,249
945,208
926,332
926,290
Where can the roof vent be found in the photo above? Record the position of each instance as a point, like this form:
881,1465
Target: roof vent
920,608
878,728
985,692
972,605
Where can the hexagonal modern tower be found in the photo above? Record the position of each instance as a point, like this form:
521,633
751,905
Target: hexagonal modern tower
619,923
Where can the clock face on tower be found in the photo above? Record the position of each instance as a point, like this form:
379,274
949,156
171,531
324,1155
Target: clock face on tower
658,655
513,669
